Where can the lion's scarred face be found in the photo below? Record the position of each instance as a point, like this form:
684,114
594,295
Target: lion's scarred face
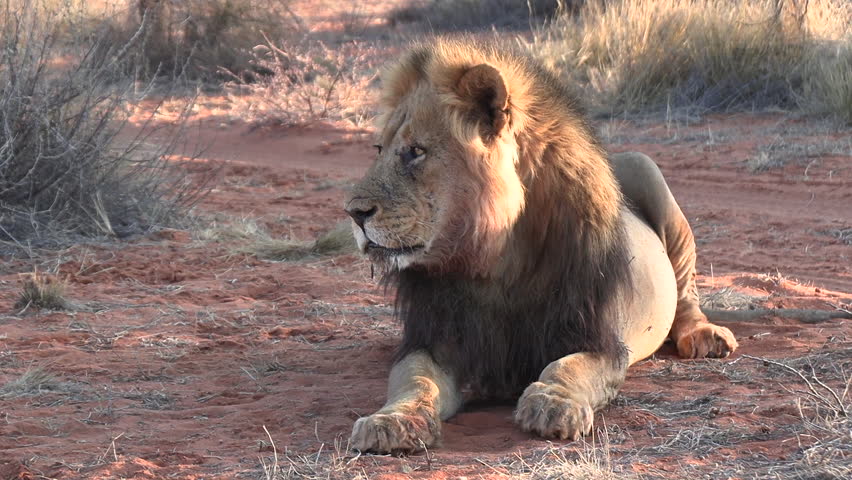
397,209
432,199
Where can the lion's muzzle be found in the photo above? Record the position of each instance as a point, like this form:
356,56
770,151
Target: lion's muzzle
361,209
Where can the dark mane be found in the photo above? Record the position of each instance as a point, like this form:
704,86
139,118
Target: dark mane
497,337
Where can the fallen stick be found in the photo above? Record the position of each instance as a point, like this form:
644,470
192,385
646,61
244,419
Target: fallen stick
802,315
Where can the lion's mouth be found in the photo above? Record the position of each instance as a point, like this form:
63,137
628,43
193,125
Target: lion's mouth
373,247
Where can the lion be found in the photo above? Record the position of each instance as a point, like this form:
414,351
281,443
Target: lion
528,263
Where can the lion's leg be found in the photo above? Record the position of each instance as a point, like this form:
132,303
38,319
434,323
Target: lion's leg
420,395
562,403
693,334
645,188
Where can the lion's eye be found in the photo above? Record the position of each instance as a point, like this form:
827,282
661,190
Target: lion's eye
411,154
379,148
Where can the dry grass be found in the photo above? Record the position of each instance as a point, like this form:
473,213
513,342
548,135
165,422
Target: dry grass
642,55
782,151
590,462
42,291
252,238
225,230
337,241
33,382
825,406
828,87
328,463
728,298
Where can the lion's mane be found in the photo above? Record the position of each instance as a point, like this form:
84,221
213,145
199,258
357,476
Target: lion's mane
542,264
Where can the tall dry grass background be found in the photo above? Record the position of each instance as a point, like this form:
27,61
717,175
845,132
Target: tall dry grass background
717,55
454,15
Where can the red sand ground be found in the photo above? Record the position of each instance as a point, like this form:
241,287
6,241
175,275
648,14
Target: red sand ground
194,348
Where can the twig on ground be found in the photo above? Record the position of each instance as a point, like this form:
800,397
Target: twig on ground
833,401
802,315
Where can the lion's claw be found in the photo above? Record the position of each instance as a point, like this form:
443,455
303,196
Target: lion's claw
394,433
548,411
707,340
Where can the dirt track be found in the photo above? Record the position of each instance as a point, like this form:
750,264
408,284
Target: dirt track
192,348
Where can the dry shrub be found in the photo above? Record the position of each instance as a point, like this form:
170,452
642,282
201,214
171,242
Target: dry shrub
42,291
308,82
711,54
204,39
63,174
193,39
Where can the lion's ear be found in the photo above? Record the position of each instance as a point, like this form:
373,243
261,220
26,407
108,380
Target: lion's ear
484,89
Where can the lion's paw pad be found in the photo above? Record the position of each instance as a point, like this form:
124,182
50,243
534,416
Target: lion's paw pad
707,340
547,411
393,433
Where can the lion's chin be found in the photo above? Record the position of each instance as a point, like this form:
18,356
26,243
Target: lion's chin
387,258
394,258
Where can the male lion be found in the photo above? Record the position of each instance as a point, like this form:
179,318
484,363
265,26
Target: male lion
526,261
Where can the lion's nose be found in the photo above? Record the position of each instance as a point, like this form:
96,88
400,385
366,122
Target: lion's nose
361,211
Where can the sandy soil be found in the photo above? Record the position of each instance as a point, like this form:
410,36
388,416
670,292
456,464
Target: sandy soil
184,350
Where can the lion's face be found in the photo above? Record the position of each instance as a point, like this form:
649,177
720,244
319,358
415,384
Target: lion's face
402,209
443,192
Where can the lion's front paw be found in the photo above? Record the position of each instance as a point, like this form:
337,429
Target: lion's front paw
394,433
547,410
707,340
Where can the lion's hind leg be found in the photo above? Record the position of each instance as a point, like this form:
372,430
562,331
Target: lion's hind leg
420,395
693,334
646,190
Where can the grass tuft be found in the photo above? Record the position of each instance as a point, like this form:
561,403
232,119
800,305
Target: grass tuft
337,241
728,298
32,382
590,460
329,462
43,292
